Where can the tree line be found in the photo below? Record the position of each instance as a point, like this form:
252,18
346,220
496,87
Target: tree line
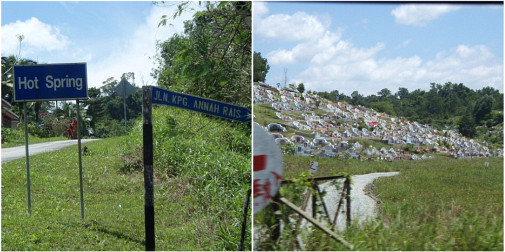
452,105
102,115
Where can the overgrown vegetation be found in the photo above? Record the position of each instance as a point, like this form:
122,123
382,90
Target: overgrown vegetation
212,58
202,163
200,188
209,160
436,204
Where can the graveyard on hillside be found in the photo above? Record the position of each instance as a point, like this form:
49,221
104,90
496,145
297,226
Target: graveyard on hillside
307,124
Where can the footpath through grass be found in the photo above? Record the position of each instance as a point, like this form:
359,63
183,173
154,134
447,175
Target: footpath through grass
114,206
435,204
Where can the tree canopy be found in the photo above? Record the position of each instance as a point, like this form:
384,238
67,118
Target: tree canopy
212,57
260,67
441,105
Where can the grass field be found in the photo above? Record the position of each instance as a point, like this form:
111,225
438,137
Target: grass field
114,206
437,204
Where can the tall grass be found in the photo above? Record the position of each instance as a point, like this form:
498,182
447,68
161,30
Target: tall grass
436,204
202,173
202,161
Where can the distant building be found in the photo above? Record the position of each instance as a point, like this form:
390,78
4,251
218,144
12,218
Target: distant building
9,118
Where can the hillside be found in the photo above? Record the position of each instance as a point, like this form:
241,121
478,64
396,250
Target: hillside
307,124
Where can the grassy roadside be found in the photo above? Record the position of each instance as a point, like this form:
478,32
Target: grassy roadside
31,140
114,206
436,204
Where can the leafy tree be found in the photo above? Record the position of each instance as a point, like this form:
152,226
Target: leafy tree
301,88
482,108
402,93
466,126
260,67
212,57
385,107
384,93
356,98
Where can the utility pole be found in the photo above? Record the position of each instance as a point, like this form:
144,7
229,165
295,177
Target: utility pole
285,77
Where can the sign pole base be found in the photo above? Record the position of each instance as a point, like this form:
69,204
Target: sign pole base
80,158
28,182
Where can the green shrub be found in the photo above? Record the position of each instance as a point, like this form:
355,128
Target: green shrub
211,158
109,128
56,126
10,135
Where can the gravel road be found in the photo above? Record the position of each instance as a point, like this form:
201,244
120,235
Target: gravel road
363,207
9,154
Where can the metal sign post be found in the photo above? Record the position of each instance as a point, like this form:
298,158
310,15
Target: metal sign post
147,131
155,95
80,158
27,162
124,89
43,82
244,220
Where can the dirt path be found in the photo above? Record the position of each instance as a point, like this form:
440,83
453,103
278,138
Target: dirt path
363,207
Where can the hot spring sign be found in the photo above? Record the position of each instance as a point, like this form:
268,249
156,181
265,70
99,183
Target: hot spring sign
50,82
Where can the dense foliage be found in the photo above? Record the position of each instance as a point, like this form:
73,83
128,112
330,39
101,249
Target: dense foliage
212,58
105,109
451,104
102,114
261,67
207,159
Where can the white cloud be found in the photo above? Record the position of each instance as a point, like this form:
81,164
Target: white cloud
137,52
421,14
324,61
313,48
361,69
38,37
296,27
259,9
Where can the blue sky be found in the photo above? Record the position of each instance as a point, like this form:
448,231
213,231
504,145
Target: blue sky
112,37
370,46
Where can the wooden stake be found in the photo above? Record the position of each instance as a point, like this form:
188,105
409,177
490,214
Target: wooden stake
316,223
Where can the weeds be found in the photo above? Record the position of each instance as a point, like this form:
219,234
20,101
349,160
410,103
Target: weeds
202,174
437,204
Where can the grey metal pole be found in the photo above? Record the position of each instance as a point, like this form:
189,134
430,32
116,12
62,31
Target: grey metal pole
80,158
148,167
27,162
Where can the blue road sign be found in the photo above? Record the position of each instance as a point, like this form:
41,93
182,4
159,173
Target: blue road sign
199,104
50,82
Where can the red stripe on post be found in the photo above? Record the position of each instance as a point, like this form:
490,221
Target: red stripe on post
259,162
